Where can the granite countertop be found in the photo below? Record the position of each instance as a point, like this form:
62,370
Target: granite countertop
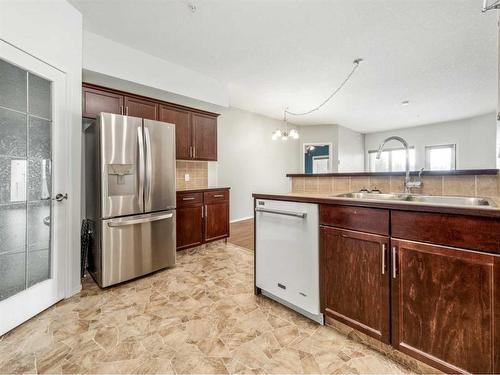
484,211
209,188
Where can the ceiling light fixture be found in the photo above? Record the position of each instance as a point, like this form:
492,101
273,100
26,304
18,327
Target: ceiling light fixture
192,7
405,102
486,7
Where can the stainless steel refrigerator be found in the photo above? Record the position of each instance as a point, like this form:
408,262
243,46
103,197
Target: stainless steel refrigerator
130,197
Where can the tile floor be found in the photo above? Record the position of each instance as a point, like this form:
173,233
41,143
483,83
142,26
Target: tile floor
199,317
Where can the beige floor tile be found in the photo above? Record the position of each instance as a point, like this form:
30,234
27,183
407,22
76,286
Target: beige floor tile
199,317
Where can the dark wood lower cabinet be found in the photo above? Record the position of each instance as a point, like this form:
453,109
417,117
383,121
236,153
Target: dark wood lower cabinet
189,227
446,306
354,280
202,216
216,221
436,303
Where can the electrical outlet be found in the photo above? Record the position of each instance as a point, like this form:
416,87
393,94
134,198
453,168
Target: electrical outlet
186,177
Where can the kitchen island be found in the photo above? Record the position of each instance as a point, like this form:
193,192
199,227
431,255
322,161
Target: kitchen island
422,278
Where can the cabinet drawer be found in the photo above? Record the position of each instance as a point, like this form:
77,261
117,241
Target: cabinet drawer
468,232
189,199
371,220
216,196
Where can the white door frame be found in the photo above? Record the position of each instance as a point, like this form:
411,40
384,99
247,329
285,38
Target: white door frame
26,304
330,153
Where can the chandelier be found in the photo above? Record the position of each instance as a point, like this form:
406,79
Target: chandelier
285,134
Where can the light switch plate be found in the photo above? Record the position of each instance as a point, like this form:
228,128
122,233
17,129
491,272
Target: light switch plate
186,177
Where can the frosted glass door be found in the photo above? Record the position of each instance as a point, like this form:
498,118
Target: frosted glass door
25,179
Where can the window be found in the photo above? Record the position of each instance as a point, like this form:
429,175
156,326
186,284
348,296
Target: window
391,160
321,164
440,158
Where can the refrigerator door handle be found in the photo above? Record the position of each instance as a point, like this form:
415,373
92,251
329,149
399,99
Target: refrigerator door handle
140,220
140,142
149,168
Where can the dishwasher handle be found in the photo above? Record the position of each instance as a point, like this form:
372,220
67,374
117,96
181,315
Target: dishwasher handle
302,215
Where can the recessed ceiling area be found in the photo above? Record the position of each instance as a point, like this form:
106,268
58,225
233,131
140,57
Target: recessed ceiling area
440,56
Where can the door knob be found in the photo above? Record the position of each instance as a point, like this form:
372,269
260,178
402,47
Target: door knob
60,197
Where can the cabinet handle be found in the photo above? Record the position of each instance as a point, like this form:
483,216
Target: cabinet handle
126,111
188,199
394,270
202,212
121,110
191,152
205,212
383,259
218,195
194,152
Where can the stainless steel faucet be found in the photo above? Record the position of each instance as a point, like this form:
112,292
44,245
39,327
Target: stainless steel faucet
408,183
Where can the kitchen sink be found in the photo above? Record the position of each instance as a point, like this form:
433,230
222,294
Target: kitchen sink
434,199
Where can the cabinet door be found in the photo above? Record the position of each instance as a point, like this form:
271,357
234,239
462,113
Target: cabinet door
354,280
96,101
204,137
141,108
216,221
181,119
189,226
445,306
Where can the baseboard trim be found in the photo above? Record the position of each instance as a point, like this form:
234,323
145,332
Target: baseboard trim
241,219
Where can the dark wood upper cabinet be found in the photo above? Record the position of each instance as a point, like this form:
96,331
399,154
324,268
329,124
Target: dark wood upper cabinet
446,306
141,108
354,280
204,137
181,119
95,101
195,129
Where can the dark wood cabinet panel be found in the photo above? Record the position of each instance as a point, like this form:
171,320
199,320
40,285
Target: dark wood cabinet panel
187,198
196,130
216,221
189,226
204,137
446,306
181,119
141,108
354,280
371,220
215,196
202,216
469,232
95,101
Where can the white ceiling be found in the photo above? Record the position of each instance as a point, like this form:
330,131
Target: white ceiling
441,55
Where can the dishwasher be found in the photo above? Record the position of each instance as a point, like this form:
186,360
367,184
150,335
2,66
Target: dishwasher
287,254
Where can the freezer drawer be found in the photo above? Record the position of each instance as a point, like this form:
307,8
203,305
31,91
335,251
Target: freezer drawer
287,254
136,245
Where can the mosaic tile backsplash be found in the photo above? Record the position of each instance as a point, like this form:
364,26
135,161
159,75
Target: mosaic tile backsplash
466,185
197,171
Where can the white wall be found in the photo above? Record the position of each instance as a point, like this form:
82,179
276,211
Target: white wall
248,160
475,139
351,150
51,30
118,60
348,146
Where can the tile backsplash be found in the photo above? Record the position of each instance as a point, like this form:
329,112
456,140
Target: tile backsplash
465,185
197,171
